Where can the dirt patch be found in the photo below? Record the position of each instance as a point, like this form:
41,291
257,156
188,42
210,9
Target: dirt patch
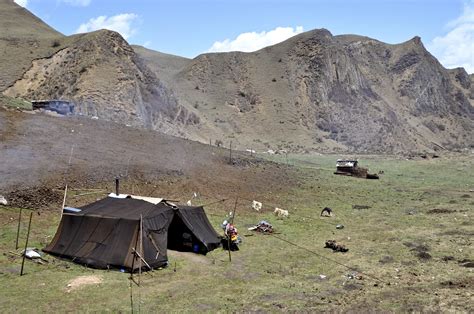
360,207
386,259
462,283
417,246
421,250
441,211
424,256
82,281
192,257
35,198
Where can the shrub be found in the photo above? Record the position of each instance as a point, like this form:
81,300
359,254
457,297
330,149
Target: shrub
55,43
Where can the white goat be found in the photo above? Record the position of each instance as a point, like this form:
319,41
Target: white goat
280,212
256,205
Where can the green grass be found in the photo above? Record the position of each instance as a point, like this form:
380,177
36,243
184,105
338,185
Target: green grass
15,102
268,274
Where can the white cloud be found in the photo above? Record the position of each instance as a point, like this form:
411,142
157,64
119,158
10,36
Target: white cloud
253,41
23,3
456,47
76,3
147,44
121,23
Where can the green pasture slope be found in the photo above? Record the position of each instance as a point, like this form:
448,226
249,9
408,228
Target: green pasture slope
15,103
406,252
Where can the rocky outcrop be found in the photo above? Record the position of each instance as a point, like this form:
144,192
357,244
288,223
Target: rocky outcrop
104,77
321,91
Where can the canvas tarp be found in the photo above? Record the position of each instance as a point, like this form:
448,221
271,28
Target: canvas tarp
105,233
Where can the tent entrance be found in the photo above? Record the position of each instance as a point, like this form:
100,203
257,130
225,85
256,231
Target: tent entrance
181,238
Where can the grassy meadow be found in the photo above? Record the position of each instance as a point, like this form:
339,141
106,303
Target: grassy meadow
406,251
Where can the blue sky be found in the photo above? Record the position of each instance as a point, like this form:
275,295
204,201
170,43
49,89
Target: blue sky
188,28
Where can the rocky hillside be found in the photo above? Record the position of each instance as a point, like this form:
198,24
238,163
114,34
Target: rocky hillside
321,91
102,75
314,91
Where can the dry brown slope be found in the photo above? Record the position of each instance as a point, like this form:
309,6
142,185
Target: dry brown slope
23,37
35,149
322,91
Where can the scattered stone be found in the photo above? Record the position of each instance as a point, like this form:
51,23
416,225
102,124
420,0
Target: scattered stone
448,258
3,200
386,259
424,256
360,207
339,226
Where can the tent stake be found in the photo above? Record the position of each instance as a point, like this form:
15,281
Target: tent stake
131,294
140,262
26,244
18,230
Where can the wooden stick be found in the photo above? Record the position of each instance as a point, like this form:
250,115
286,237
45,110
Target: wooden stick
64,200
230,153
18,230
67,172
134,251
140,263
26,244
131,293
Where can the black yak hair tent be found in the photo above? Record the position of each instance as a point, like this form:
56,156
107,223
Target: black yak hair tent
106,233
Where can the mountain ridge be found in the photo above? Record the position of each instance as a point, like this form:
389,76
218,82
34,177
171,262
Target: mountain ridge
314,91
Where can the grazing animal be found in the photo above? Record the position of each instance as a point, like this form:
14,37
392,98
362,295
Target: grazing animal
280,212
326,210
256,205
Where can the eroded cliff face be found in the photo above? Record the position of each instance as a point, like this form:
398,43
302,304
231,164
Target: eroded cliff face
104,77
332,92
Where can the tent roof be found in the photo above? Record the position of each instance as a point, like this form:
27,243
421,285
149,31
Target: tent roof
153,200
125,208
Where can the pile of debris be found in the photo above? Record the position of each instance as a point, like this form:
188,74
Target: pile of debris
262,227
38,197
351,168
336,247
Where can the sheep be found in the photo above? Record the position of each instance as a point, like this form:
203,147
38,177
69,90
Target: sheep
280,212
256,205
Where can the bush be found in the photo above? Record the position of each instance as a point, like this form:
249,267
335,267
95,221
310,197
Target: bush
55,43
